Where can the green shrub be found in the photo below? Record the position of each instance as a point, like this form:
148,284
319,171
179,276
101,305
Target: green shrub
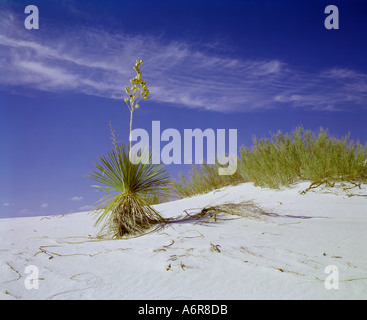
302,155
282,160
203,179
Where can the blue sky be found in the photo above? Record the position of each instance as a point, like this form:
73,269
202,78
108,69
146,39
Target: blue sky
255,66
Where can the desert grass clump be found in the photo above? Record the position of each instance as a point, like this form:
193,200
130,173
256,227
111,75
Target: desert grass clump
203,179
302,155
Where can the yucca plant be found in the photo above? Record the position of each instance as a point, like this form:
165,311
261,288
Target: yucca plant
125,209
130,186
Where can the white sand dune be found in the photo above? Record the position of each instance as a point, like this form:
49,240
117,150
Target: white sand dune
280,256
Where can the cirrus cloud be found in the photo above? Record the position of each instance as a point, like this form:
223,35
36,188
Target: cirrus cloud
76,198
94,62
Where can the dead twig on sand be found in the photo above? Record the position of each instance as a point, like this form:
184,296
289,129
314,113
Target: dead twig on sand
245,209
215,247
333,183
15,270
165,247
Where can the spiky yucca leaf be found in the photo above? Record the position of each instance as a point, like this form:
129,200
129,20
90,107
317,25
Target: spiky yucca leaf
125,208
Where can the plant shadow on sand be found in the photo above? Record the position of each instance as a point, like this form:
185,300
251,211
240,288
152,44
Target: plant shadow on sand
218,213
224,212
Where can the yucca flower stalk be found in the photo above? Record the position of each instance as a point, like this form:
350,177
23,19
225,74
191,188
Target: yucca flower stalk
137,92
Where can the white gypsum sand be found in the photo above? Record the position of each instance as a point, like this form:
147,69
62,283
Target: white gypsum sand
278,256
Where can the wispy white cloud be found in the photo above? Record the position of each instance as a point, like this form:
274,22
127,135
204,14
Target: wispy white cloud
44,205
95,62
24,211
76,198
86,208
343,73
6,204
